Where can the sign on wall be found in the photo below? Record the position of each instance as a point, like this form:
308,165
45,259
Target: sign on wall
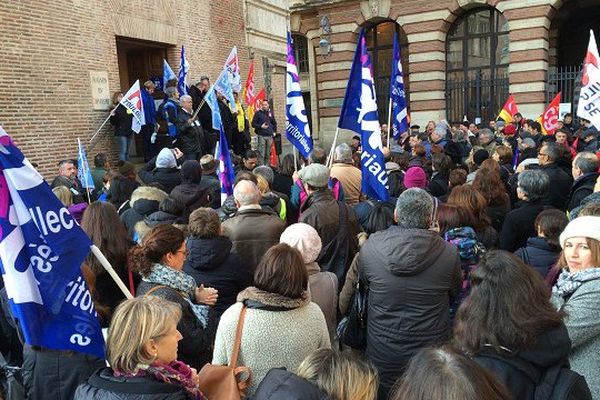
100,92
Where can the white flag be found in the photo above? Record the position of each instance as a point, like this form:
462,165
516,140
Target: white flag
589,98
133,102
232,65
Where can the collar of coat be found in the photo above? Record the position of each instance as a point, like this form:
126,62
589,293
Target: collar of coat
253,297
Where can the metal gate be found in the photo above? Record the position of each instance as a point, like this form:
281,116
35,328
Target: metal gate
482,97
565,79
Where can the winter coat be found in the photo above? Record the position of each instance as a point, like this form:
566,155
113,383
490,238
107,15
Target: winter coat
282,183
519,226
497,212
280,384
560,184
144,201
104,385
253,232
550,349
212,264
583,324
351,179
539,255
191,136
322,212
168,178
53,374
582,187
438,186
323,288
121,120
261,117
211,184
278,332
395,178
155,219
593,198
192,196
413,275
299,195
74,185
195,348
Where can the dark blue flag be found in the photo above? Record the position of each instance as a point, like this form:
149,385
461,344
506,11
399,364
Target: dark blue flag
41,251
359,114
397,95
184,68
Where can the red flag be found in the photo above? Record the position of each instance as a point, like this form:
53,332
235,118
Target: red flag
509,109
273,159
549,119
249,88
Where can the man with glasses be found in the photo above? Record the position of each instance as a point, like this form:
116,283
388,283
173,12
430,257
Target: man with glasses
561,182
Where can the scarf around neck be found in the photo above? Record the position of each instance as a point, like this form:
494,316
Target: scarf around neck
568,282
182,282
253,297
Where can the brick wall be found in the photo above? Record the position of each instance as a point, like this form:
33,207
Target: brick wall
48,50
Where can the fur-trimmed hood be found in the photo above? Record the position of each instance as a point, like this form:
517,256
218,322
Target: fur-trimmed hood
253,297
146,199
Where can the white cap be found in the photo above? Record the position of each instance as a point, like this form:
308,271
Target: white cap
587,226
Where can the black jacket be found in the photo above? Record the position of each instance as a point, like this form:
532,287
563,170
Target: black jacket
195,349
438,186
121,120
539,255
167,177
192,196
144,201
519,225
515,369
582,187
191,136
413,275
212,185
560,184
280,384
104,385
74,185
261,117
211,263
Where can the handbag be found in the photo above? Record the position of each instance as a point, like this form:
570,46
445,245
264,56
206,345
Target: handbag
352,329
226,382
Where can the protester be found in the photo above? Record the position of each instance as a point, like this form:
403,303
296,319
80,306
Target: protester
479,156
159,259
281,325
66,198
249,162
585,173
282,179
169,110
170,211
489,184
211,261
577,293
120,192
163,169
120,118
279,202
445,374
323,286
265,126
210,181
67,176
415,177
467,196
413,276
190,192
441,165
558,191
148,130
143,356
525,338
144,201
100,169
241,138
190,139
344,171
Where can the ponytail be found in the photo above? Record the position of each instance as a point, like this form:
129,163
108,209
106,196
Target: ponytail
156,244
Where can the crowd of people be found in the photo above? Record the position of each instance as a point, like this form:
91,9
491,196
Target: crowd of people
481,272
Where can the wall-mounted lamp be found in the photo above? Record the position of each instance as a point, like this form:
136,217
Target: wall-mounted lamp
325,41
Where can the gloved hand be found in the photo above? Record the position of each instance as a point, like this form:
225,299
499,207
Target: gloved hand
153,138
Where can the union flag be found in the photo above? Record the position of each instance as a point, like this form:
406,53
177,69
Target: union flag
509,110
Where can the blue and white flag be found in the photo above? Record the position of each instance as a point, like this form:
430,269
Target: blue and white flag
297,130
223,86
225,168
41,251
83,168
397,95
359,114
213,103
168,73
184,68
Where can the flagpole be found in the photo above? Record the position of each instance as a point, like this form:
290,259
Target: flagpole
295,159
111,271
103,123
204,99
85,177
330,159
389,123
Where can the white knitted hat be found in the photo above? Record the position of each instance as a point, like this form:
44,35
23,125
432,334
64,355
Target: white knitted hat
303,238
587,226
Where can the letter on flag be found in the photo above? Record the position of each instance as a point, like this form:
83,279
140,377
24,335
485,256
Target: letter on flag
83,168
133,102
184,68
249,88
168,73
589,98
359,114
397,95
296,122
41,251
509,110
232,65
549,119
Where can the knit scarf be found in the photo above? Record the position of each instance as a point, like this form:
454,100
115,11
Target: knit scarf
253,297
568,283
241,118
175,373
182,282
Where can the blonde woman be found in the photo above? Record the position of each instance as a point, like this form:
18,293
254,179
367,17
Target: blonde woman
142,351
324,374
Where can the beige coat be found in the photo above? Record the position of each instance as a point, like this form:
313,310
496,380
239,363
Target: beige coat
351,179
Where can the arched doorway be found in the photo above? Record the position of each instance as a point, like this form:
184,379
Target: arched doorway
477,57
380,41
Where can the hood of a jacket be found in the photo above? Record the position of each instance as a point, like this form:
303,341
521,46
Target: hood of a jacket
551,348
229,208
391,166
270,200
420,249
281,384
540,243
159,218
145,199
188,193
207,254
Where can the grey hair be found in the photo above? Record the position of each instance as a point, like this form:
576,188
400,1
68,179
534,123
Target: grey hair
534,183
552,151
486,132
185,97
266,172
414,208
586,161
246,193
343,153
170,91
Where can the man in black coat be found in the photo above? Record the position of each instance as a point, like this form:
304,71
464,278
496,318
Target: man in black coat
585,172
190,139
413,275
558,191
67,176
265,126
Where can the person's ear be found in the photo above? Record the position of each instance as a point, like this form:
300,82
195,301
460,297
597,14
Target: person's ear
150,348
395,217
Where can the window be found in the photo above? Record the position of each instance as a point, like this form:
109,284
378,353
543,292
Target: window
301,52
477,65
380,42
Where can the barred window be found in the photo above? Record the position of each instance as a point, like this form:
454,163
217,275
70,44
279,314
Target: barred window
301,52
